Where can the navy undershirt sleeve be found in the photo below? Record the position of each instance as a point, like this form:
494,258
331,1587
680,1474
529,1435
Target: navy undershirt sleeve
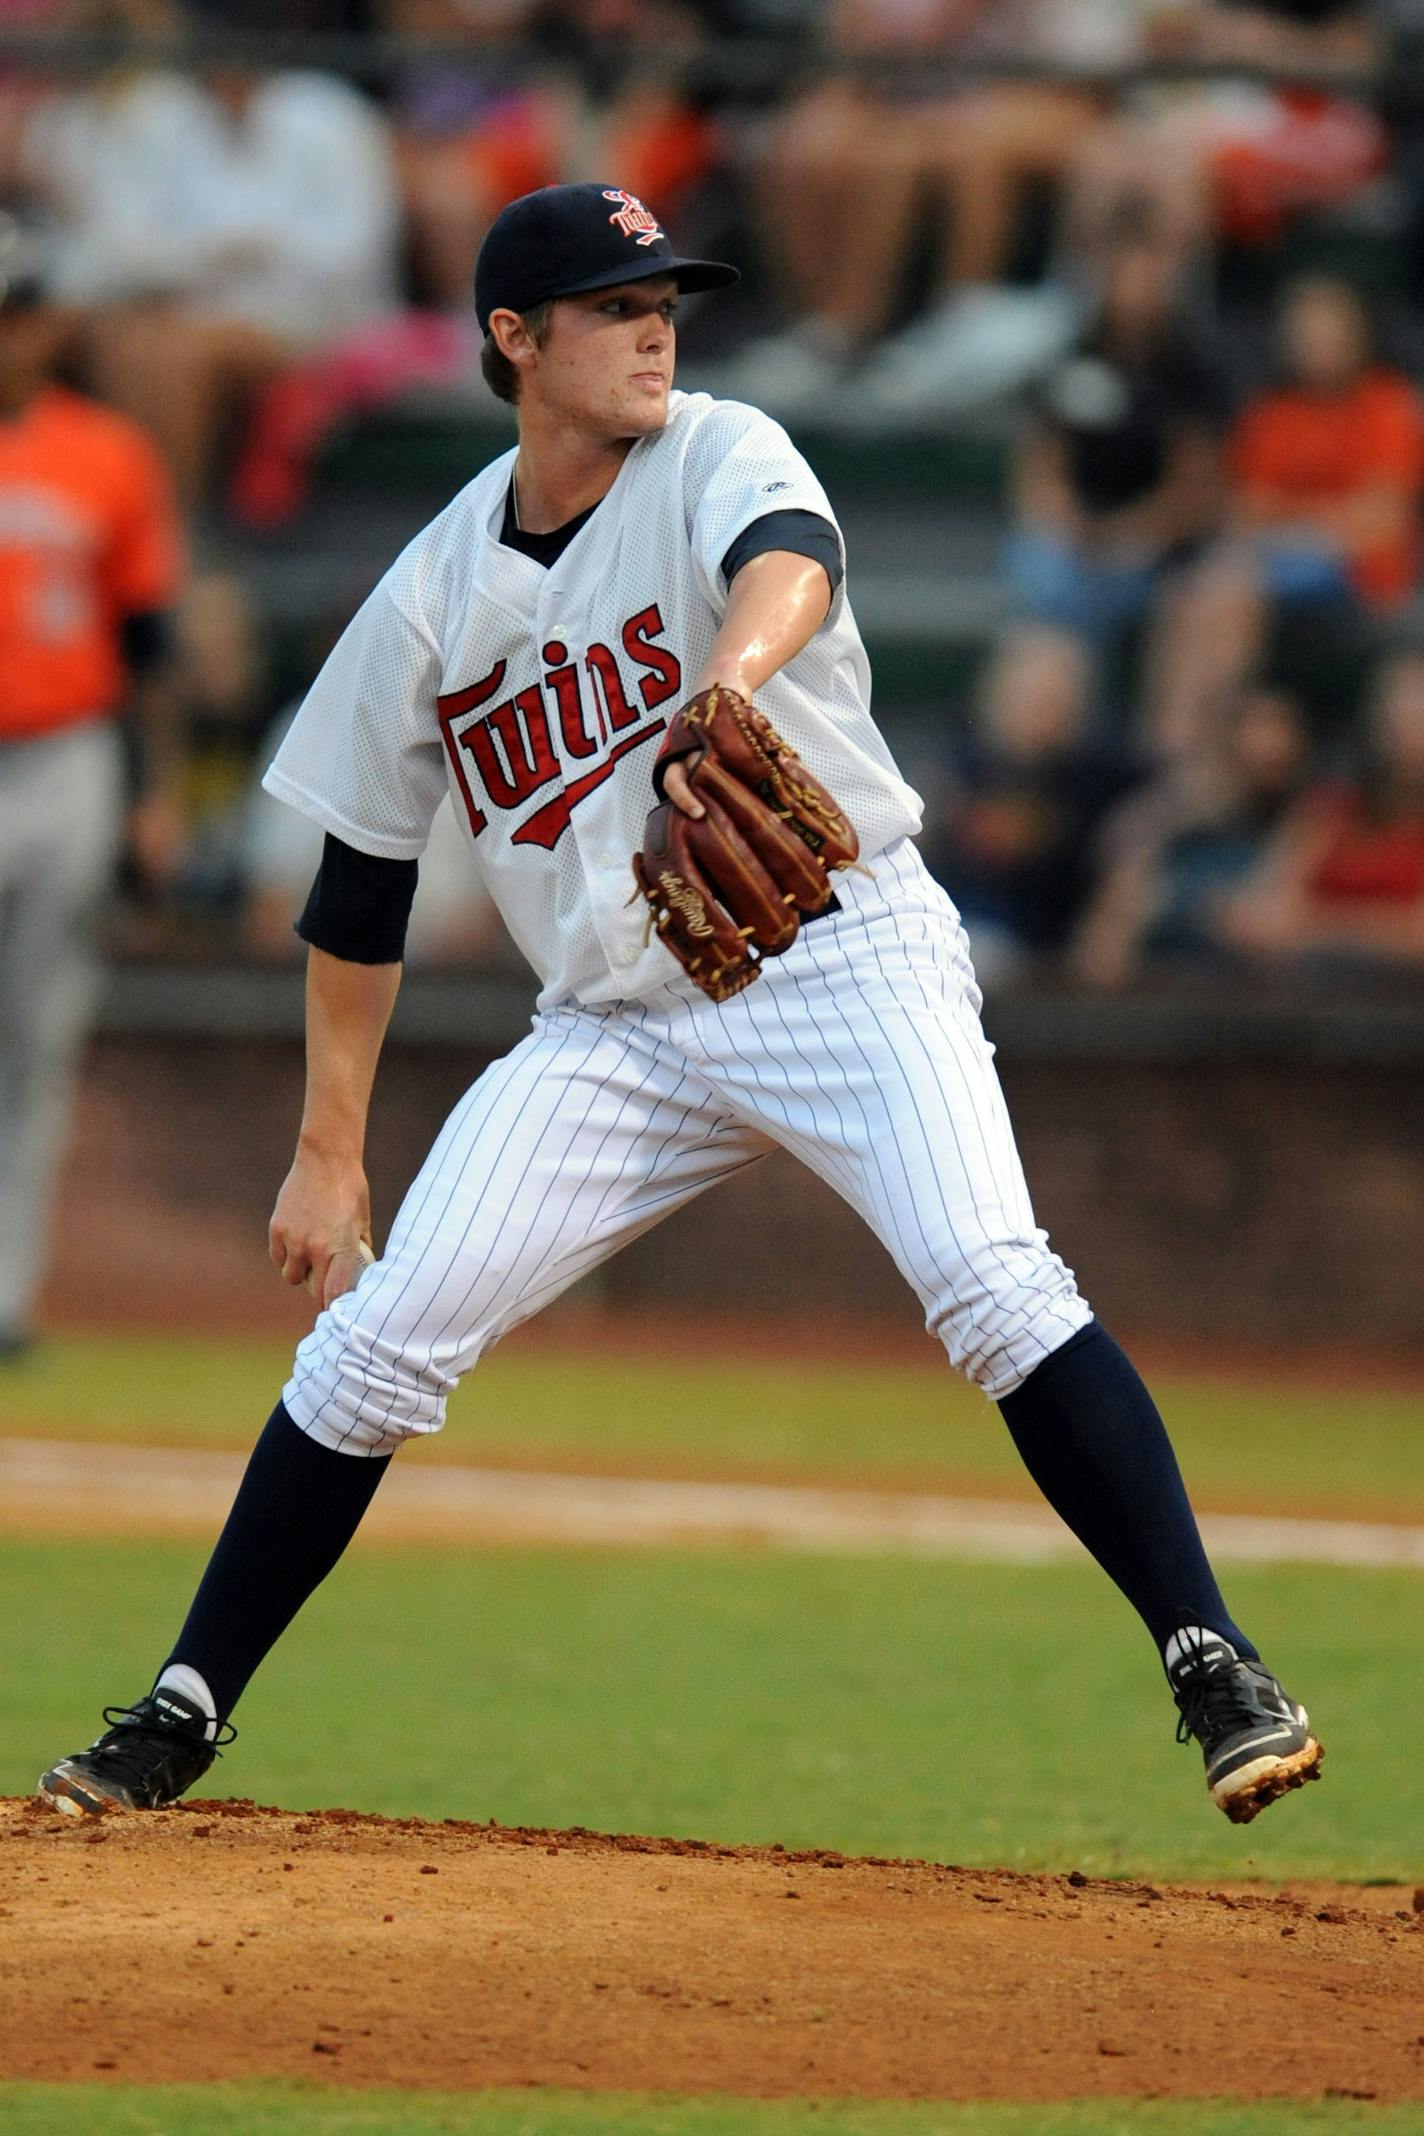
359,905
803,533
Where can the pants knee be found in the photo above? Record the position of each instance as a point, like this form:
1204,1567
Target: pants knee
1002,1331
354,1389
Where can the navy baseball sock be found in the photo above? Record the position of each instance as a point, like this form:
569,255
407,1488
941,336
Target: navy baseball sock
298,1506
1092,1440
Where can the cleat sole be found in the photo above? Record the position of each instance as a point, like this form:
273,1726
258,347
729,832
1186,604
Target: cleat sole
1255,1787
59,1791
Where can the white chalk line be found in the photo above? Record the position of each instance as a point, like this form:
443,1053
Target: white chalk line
154,1488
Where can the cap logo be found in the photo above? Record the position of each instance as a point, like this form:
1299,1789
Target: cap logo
632,218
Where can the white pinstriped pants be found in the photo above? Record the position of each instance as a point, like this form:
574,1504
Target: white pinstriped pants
860,1051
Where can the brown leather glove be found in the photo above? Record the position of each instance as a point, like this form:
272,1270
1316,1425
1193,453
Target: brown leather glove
730,887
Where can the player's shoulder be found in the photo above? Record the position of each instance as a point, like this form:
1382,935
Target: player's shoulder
704,435
713,421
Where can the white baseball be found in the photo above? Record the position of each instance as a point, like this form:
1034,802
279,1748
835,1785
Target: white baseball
367,1257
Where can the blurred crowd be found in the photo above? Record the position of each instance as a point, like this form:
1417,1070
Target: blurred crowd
1197,737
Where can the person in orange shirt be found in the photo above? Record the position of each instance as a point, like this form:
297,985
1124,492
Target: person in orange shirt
1330,464
1328,471
90,562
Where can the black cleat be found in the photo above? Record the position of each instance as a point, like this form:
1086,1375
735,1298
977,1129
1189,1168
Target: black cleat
1256,1741
147,1757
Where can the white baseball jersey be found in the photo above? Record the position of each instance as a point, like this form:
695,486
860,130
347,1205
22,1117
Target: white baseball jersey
538,696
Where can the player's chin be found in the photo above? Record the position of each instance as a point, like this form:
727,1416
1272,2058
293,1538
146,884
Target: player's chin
645,406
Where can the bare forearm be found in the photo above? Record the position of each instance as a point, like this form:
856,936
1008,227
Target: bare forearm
777,604
320,1232
348,1009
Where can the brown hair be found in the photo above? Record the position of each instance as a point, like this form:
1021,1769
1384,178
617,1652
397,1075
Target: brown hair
500,375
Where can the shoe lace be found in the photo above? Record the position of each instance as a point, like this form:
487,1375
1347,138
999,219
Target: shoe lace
1208,1695
134,1745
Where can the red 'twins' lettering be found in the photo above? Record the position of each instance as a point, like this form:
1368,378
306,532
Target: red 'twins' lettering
513,749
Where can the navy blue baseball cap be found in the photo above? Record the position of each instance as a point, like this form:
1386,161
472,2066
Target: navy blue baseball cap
566,239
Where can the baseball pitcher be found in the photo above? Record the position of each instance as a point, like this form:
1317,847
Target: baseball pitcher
627,652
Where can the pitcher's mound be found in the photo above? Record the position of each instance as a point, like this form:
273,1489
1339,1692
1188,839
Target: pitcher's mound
220,1940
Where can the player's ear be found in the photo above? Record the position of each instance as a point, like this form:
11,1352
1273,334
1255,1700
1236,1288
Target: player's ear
513,339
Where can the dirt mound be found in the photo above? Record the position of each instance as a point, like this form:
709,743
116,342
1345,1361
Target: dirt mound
221,1940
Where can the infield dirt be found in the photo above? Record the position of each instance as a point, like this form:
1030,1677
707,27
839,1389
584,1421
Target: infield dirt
221,1940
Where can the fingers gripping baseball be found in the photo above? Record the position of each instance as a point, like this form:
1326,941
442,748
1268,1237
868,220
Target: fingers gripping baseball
320,1234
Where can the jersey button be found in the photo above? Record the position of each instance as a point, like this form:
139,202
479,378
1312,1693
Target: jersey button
627,955
608,860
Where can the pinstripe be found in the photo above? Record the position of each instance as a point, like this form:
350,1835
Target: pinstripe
568,1268
558,1175
890,1217
949,1021
669,1098
811,1149
605,1119
855,1193
534,1214
513,1064
950,1017
823,1153
1003,1238
973,1356
663,1203
1001,1149
708,1142
773,997
529,1092
689,1150
448,1137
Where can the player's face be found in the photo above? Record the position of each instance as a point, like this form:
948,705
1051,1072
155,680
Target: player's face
607,361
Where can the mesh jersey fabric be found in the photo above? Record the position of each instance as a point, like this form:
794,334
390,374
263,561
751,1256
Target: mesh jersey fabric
538,697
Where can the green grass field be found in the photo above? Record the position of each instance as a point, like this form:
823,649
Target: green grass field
1239,1443
970,1713
280,2110
985,1714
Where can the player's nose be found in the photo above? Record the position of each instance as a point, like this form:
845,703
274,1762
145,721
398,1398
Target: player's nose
655,335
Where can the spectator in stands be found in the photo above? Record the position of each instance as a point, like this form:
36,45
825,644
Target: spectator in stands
1176,853
1343,883
219,227
604,98
1119,481
1236,156
1328,468
1026,794
858,161
1330,464
89,568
